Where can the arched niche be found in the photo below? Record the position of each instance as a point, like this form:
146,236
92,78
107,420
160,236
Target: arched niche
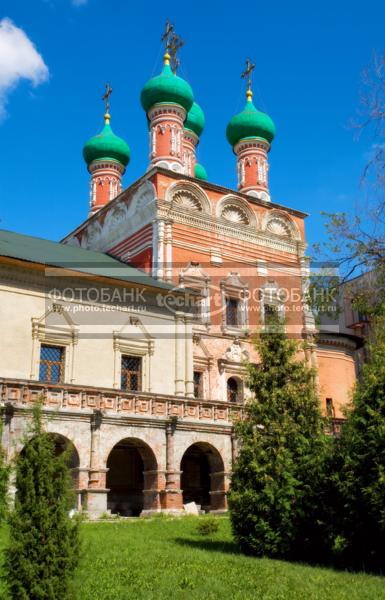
279,223
236,211
203,477
188,196
132,466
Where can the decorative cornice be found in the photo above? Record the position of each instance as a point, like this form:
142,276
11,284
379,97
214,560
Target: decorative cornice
180,176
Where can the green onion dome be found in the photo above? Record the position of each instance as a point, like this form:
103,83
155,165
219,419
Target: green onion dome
167,88
200,172
106,146
195,120
250,123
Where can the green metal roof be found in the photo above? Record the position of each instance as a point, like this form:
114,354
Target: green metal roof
54,254
165,88
250,123
200,172
106,146
195,120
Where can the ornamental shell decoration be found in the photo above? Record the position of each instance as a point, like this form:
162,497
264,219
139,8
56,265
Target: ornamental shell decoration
235,215
278,227
186,201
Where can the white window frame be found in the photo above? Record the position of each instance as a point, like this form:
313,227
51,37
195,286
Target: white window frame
65,337
143,349
232,287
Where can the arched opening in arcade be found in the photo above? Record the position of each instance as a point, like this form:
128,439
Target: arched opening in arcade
61,445
132,470
203,477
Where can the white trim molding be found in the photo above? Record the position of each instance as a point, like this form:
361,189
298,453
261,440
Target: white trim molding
63,334
136,342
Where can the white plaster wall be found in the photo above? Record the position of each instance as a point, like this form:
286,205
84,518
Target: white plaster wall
93,361
16,310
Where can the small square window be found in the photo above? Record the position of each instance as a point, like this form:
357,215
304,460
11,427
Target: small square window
198,384
51,367
232,312
131,374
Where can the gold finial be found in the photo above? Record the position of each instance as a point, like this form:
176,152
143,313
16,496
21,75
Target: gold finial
175,45
166,38
106,99
247,74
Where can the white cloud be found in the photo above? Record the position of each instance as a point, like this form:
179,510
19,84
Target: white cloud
79,2
19,59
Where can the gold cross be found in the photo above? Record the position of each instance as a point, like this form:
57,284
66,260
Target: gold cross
175,45
166,36
106,97
247,73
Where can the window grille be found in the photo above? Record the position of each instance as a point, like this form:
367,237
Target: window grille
131,375
51,367
232,312
270,310
198,384
329,407
232,390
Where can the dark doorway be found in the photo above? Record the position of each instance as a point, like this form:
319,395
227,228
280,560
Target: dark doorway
125,477
195,481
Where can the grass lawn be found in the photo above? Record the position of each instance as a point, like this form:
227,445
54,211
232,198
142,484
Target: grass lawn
166,558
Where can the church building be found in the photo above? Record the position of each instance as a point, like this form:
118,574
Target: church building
135,330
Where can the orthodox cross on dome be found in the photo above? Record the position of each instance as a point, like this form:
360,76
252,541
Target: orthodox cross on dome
247,75
166,38
106,99
176,44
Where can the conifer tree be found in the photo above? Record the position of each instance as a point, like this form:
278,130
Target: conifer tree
281,444
359,527
44,544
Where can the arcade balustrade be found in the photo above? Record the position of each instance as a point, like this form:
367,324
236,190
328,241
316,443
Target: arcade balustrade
140,404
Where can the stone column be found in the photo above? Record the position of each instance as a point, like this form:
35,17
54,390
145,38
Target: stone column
308,317
234,449
154,248
189,357
151,493
96,492
171,496
222,381
160,250
218,491
209,378
179,354
168,274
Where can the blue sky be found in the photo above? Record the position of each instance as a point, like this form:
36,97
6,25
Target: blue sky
309,57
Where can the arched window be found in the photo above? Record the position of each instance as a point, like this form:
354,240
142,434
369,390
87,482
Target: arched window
232,390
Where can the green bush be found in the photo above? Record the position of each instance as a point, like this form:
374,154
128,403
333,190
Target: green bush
44,544
207,526
281,443
359,526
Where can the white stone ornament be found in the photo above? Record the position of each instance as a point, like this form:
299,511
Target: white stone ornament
235,353
186,200
278,227
235,215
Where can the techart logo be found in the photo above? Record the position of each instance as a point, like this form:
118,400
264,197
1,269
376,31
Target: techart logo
177,301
